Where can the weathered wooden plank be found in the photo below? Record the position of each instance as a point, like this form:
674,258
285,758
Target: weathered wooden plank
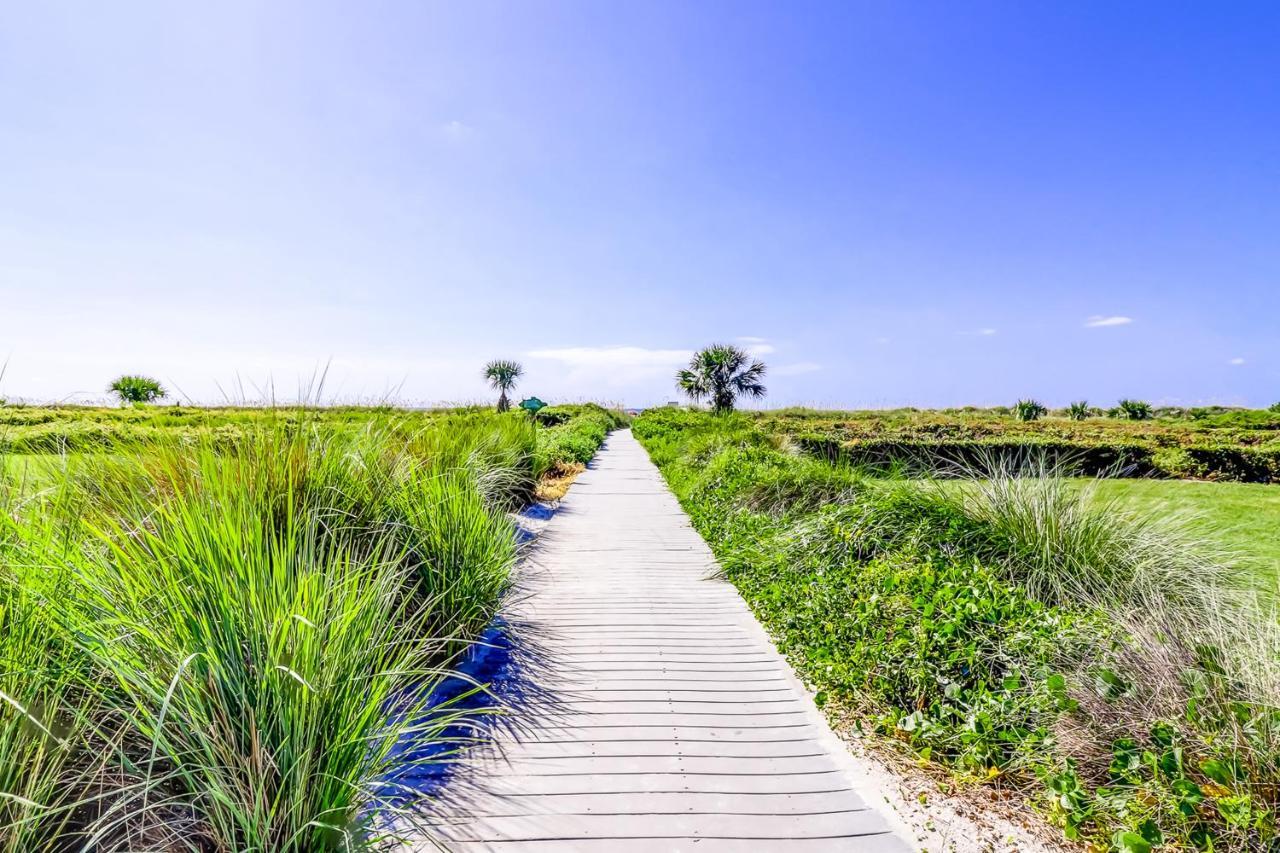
675,725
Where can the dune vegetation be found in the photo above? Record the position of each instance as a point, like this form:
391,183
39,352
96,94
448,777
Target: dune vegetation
222,629
1129,439
1108,669
219,629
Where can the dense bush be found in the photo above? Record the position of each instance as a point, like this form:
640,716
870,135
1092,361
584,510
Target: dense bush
572,434
952,458
1013,630
1208,444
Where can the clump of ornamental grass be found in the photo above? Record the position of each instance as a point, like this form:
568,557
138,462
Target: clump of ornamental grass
249,632
1058,538
502,452
1065,543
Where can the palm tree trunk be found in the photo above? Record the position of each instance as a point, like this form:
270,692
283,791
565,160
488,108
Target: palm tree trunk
503,402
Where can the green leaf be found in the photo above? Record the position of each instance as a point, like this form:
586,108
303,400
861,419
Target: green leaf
1130,842
1110,685
1222,772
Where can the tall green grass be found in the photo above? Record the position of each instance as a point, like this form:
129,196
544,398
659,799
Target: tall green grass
213,644
41,705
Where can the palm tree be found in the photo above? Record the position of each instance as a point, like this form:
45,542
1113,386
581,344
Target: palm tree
721,373
502,376
136,390
1029,410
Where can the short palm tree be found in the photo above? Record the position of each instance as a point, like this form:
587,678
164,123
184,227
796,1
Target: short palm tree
136,390
502,376
1029,410
1079,410
1132,410
721,373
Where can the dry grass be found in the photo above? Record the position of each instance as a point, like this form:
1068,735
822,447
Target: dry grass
556,481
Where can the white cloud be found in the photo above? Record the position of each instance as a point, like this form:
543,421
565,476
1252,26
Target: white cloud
614,356
1097,320
795,369
986,332
638,372
456,131
881,340
1236,361
756,346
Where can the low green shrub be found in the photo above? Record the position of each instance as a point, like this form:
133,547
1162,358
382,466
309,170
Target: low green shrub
571,435
942,440
960,458
1248,465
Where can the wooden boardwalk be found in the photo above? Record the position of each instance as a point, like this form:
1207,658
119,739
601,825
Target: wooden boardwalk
665,719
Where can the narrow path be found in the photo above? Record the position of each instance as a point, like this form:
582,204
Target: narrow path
669,721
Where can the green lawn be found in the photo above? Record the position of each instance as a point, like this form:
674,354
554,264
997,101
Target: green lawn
1243,518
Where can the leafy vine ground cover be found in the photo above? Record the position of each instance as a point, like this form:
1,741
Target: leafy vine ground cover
1018,634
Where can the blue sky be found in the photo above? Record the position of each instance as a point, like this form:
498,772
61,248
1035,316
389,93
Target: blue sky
926,203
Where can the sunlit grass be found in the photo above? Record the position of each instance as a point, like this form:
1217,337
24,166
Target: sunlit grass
1240,518
216,644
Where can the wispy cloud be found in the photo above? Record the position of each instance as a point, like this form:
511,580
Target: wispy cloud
1236,361
628,368
981,333
456,131
795,369
756,346
1098,320
614,356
